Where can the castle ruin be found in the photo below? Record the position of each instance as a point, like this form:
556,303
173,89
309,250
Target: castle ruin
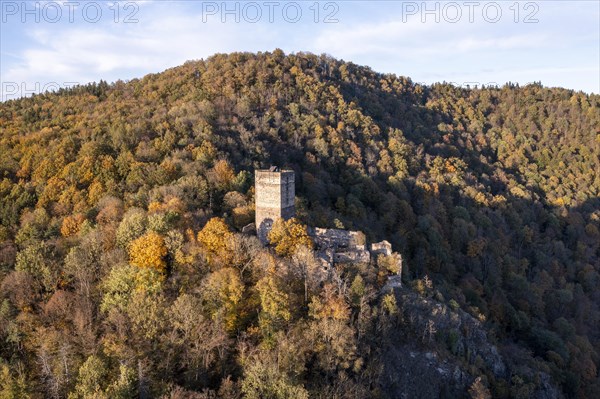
274,198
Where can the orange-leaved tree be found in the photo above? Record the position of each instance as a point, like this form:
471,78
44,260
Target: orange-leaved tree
149,251
71,224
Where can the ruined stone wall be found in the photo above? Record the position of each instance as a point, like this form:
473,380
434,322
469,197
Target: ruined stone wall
345,245
337,238
383,247
274,198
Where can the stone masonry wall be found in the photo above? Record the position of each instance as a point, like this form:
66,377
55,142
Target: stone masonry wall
275,193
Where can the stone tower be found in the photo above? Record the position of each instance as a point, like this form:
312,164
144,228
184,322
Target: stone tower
274,193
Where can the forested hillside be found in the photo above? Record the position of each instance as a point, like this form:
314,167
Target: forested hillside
123,272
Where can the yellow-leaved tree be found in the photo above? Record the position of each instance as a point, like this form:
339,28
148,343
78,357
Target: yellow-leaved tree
149,251
215,238
214,235
288,235
274,303
222,291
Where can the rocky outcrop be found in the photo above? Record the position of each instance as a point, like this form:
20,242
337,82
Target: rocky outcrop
249,229
466,334
392,282
412,372
436,348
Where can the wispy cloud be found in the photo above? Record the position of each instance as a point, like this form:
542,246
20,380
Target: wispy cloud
560,50
100,51
169,33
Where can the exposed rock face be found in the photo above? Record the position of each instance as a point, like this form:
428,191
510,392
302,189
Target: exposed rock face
412,372
249,229
471,338
415,367
393,282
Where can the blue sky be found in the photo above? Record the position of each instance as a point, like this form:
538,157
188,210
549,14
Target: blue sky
45,44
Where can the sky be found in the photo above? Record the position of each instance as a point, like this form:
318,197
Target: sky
49,44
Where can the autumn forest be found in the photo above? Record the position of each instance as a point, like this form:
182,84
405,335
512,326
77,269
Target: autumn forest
124,272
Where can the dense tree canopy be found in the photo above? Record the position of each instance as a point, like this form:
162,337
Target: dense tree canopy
491,194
